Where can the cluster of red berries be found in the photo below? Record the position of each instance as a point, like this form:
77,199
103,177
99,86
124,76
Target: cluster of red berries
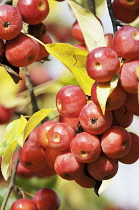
44,198
19,49
126,10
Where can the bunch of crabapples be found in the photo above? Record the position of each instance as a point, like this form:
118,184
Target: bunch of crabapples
19,49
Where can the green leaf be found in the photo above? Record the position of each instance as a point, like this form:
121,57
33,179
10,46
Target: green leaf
91,27
13,134
75,60
34,120
104,89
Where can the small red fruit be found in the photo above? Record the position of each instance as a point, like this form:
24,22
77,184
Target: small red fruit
46,199
85,147
70,100
22,51
103,168
116,142
33,11
67,167
6,114
85,181
102,64
23,204
93,121
10,22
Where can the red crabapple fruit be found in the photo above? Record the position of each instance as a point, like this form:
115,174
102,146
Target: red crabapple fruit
85,147
67,167
103,168
85,181
42,133
132,104
77,33
6,114
73,122
51,155
128,76
1,47
22,51
102,64
126,42
23,204
10,22
93,121
133,155
131,4
28,154
46,199
116,142
33,11
70,100
59,136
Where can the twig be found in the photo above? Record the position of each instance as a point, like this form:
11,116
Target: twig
113,19
31,91
11,185
92,6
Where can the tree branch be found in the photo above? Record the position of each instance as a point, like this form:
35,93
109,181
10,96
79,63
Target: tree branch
113,19
31,91
11,185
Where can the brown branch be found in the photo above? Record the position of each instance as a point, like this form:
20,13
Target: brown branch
11,185
31,91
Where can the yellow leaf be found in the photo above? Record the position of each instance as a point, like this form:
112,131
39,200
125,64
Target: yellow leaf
8,88
137,73
7,160
75,60
90,26
13,134
104,89
100,7
34,120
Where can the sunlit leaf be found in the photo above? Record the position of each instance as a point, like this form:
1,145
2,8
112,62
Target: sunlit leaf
6,160
104,89
100,7
75,60
90,26
105,184
13,134
34,120
137,73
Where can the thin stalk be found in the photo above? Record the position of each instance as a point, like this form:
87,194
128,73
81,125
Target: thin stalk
31,91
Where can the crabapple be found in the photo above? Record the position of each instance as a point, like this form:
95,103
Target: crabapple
47,171
37,30
116,142
125,35
93,121
85,147
46,199
70,100
43,53
133,155
11,22
132,104
77,33
59,136
122,13
114,100
128,76
103,168
109,40
85,181
131,4
102,64
73,122
67,167
42,133
23,204
33,11
28,154
22,50
51,155
6,114
122,116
